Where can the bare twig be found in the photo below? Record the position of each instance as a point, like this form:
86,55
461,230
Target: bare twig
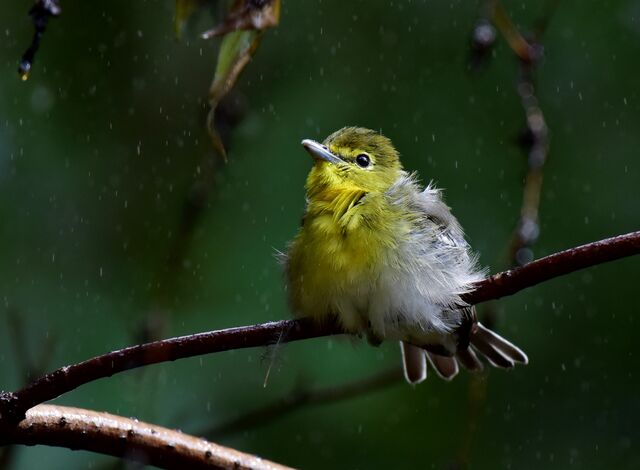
13,405
76,428
516,41
305,397
247,15
535,141
40,13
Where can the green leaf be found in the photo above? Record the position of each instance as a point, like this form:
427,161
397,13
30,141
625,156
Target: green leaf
242,30
236,51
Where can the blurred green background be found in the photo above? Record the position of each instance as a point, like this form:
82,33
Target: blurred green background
99,150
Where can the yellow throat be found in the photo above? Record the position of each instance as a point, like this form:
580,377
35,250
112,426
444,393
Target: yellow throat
342,243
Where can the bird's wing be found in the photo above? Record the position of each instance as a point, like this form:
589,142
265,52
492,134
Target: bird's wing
436,250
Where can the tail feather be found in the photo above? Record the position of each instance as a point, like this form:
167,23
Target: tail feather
469,360
506,347
493,355
415,363
499,351
446,367
483,342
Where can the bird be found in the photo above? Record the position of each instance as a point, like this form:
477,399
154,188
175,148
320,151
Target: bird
387,260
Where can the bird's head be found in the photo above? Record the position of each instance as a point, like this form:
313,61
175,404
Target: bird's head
352,158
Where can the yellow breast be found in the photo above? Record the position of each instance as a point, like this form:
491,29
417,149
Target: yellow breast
335,259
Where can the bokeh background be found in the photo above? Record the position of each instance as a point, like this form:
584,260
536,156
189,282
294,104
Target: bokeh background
100,150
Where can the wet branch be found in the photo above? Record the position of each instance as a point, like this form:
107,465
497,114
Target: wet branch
104,433
13,405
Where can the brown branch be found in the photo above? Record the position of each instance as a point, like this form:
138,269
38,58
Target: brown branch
516,41
535,140
298,398
14,405
69,378
76,428
558,264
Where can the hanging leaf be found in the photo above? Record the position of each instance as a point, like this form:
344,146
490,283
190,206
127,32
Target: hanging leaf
242,30
236,51
248,14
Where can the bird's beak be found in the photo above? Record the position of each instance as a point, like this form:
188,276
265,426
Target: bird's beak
320,152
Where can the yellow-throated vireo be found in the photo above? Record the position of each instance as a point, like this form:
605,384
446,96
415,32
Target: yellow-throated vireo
387,259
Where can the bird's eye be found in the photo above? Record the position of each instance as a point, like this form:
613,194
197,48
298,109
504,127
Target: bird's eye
362,160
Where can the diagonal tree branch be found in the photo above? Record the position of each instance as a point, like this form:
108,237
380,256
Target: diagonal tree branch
104,433
65,379
13,405
558,264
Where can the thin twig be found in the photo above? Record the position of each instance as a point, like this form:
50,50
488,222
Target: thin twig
298,398
40,13
76,428
516,41
535,141
14,405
